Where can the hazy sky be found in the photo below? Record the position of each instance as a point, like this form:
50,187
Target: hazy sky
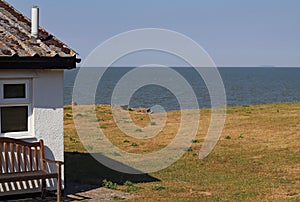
233,32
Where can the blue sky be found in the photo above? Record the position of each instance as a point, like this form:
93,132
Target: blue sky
233,32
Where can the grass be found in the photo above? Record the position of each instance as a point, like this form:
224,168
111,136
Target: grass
259,162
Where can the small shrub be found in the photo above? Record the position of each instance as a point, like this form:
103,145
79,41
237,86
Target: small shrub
195,141
102,126
126,141
189,149
138,130
90,148
79,115
109,184
241,136
129,109
130,187
153,123
134,144
228,137
194,154
128,183
72,139
68,108
68,115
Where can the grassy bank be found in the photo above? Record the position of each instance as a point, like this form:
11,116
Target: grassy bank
256,159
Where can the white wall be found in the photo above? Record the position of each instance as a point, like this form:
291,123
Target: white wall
47,102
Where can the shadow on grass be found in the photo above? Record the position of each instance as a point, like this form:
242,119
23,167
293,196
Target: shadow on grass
83,173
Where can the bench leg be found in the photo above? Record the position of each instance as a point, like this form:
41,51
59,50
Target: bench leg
59,183
43,188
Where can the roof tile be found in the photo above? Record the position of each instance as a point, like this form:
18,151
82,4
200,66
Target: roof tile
15,37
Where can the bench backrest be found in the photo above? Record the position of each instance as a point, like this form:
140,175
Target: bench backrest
20,156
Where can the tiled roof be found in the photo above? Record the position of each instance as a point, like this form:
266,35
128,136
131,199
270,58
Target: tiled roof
15,37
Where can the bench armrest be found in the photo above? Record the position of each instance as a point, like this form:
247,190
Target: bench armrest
53,161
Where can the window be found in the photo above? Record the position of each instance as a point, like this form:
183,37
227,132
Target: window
15,108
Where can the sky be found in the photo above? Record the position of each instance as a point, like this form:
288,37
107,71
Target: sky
233,32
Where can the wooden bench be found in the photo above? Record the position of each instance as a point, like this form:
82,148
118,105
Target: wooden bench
23,161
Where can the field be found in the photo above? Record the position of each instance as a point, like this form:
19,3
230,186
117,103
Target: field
256,159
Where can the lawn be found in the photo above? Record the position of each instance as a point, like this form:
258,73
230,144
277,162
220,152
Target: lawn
256,159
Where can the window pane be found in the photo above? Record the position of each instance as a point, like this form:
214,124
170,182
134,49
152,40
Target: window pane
14,91
14,119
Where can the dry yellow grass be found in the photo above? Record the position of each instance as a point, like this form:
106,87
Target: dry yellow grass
256,159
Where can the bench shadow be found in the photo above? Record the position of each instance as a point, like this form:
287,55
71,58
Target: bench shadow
84,173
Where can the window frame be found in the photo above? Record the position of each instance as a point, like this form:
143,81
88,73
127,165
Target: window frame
17,102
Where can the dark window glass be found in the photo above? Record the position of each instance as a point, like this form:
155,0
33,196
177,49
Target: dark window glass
14,119
14,91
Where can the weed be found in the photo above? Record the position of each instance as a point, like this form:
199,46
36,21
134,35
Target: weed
158,188
241,136
89,147
94,120
130,187
109,184
117,198
68,108
72,139
228,137
138,130
189,149
134,144
68,115
195,141
102,126
128,183
116,154
153,123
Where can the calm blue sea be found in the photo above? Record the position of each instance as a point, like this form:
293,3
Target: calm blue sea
244,86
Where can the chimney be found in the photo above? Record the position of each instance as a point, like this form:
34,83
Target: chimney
35,22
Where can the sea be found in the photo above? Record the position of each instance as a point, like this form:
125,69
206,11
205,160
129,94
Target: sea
243,86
